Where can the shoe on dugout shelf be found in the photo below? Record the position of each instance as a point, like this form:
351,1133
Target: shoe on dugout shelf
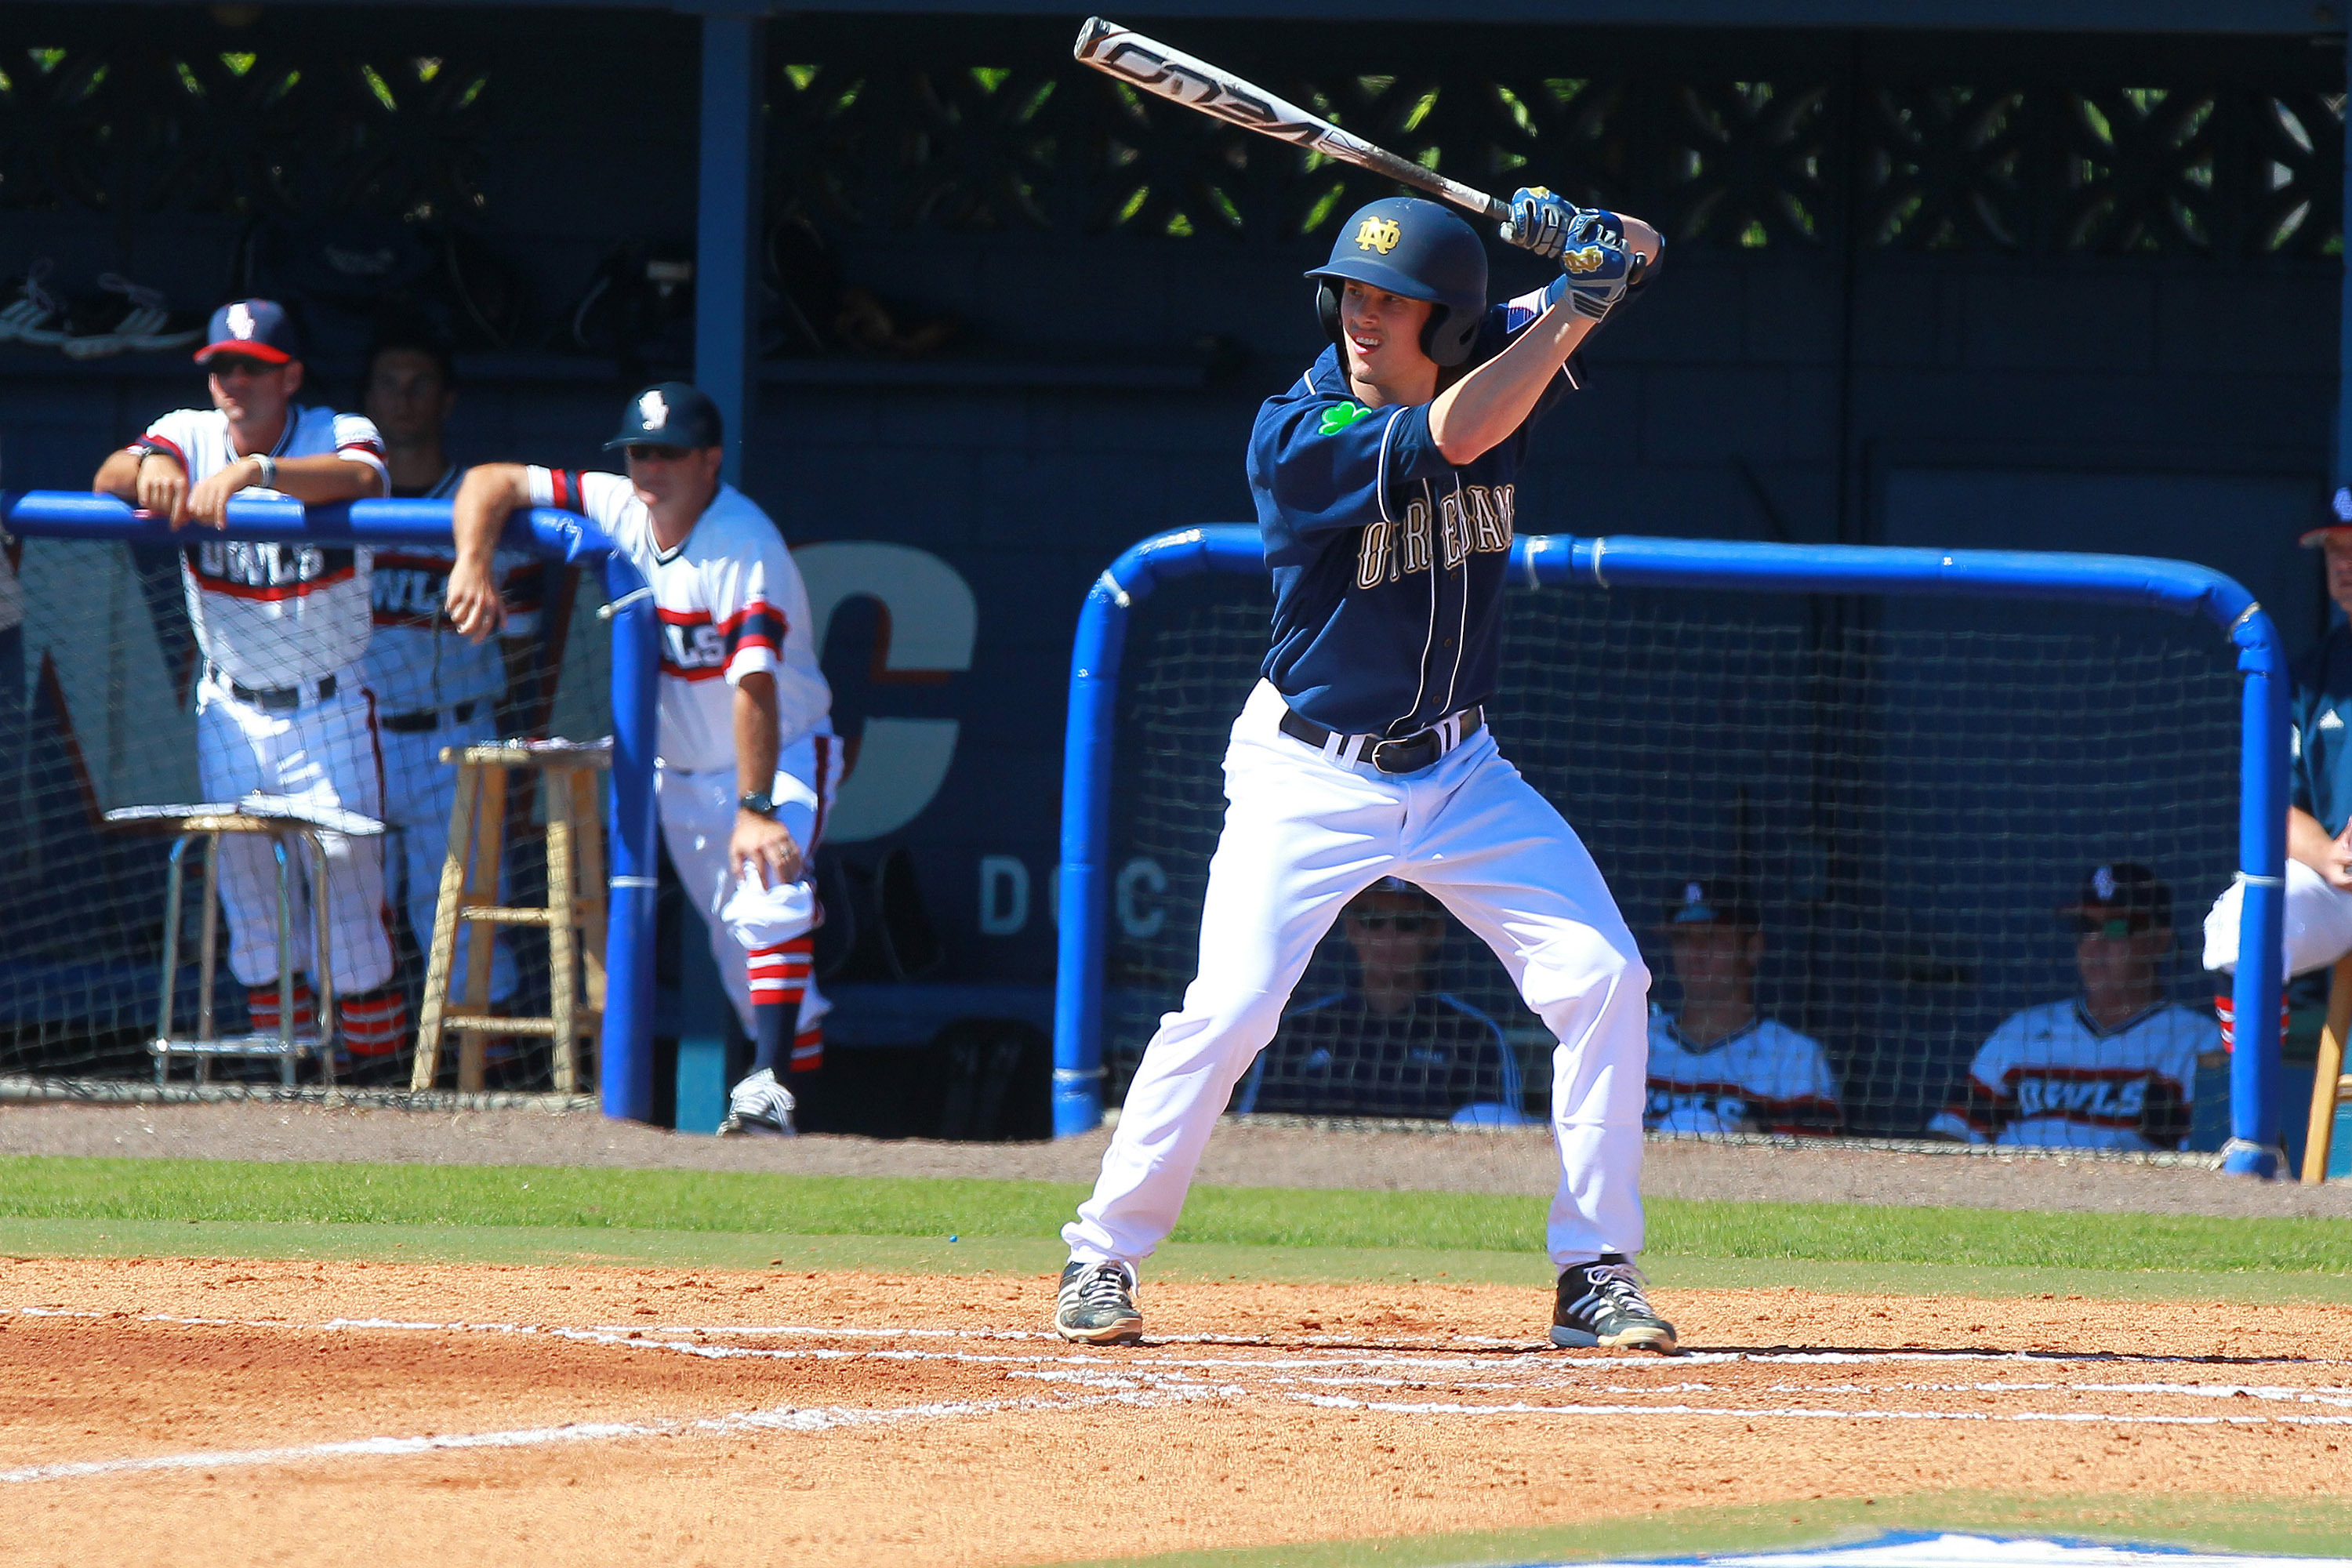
30,307
1600,1304
759,1105
1096,1304
125,315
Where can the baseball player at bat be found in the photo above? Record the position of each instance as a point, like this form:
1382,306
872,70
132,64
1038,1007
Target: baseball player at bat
745,759
281,707
1384,480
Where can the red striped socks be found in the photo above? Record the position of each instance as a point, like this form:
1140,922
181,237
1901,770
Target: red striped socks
780,977
2225,1008
261,1006
376,1024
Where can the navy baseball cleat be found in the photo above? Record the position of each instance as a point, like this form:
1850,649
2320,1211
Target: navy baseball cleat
1600,1303
1097,1306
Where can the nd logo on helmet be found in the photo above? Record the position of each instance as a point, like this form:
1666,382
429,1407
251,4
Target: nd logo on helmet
1380,234
1586,258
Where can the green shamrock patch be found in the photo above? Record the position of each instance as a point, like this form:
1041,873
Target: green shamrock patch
1339,415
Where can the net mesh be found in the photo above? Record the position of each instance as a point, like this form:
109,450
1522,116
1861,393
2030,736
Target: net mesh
1910,789
96,712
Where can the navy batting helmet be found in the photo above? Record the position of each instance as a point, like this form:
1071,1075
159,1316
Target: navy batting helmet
1421,251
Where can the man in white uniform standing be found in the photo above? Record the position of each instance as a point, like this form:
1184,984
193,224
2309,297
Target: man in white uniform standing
282,707
746,762
433,688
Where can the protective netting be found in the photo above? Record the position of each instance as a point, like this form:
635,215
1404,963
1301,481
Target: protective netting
1909,788
96,712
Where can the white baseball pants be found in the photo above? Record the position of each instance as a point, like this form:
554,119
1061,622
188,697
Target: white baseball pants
697,818
419,791
323,752
2318,927
1302,837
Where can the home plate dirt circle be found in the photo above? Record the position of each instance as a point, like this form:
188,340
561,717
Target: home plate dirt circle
399,1411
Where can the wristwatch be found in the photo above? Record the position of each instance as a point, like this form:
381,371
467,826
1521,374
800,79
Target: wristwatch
760,805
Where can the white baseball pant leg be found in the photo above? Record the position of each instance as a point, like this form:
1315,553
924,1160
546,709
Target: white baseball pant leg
697,819
1302,835
323,753
419,791
2318,930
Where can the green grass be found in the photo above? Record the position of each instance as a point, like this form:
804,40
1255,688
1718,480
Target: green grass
2213,1522
1039,1256
597,1199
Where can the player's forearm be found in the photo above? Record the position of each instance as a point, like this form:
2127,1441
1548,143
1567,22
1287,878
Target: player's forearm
119,476
326,479
757,733
2307,840
485,497
1479,412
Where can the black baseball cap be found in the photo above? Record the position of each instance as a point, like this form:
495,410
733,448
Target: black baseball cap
1414,890
252,329
2120,893
670,413
1711,900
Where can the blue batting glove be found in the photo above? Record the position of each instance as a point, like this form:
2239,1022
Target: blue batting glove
1540,222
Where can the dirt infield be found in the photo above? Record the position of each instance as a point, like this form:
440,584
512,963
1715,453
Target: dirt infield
1502,1160
385,1415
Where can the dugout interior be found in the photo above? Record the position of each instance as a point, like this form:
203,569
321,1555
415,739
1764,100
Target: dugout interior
1960,288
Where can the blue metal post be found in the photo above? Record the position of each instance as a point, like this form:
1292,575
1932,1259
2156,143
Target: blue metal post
727,219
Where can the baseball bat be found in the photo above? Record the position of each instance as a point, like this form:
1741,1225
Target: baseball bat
1170,73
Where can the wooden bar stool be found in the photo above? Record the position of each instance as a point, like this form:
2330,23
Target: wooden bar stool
469,899
2329,1081
293,829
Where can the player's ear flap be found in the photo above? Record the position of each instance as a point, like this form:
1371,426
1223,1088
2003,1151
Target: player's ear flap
1327,307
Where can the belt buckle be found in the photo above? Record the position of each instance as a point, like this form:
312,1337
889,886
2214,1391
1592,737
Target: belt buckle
1385,750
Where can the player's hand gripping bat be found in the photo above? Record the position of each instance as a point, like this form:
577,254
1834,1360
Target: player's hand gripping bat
1154,67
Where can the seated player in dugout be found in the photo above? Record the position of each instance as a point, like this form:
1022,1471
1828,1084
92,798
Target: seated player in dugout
1392,1043
2318,927
1717,1065
282,707
745,763
433,688
2115,1067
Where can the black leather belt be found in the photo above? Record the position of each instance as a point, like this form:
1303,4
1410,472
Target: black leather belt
281,699
1406,755
424,720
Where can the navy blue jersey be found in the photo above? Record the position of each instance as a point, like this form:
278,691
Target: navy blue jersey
1388,561
2321,765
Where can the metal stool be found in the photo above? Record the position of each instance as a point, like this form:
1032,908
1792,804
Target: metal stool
284,821
2329,1081
469,895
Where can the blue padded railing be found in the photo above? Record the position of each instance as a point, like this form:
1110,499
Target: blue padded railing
625,1054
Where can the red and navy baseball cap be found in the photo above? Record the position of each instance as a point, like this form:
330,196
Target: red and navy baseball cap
2339,519
1712,900
252,329
670,413
2118,898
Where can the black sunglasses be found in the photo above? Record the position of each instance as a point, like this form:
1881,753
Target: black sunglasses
653,454
2115,927
226,365
1410,925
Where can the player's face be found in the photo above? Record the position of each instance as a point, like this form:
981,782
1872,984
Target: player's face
407,397
250,392
1380,334
2338,551
673,479
1715,961
2126,966
1394,932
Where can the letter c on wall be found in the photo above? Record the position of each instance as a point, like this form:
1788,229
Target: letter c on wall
931,621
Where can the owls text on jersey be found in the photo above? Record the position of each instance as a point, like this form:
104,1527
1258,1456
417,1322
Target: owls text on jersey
1388,561
272,615
732,603
2051,1075
1766,1079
